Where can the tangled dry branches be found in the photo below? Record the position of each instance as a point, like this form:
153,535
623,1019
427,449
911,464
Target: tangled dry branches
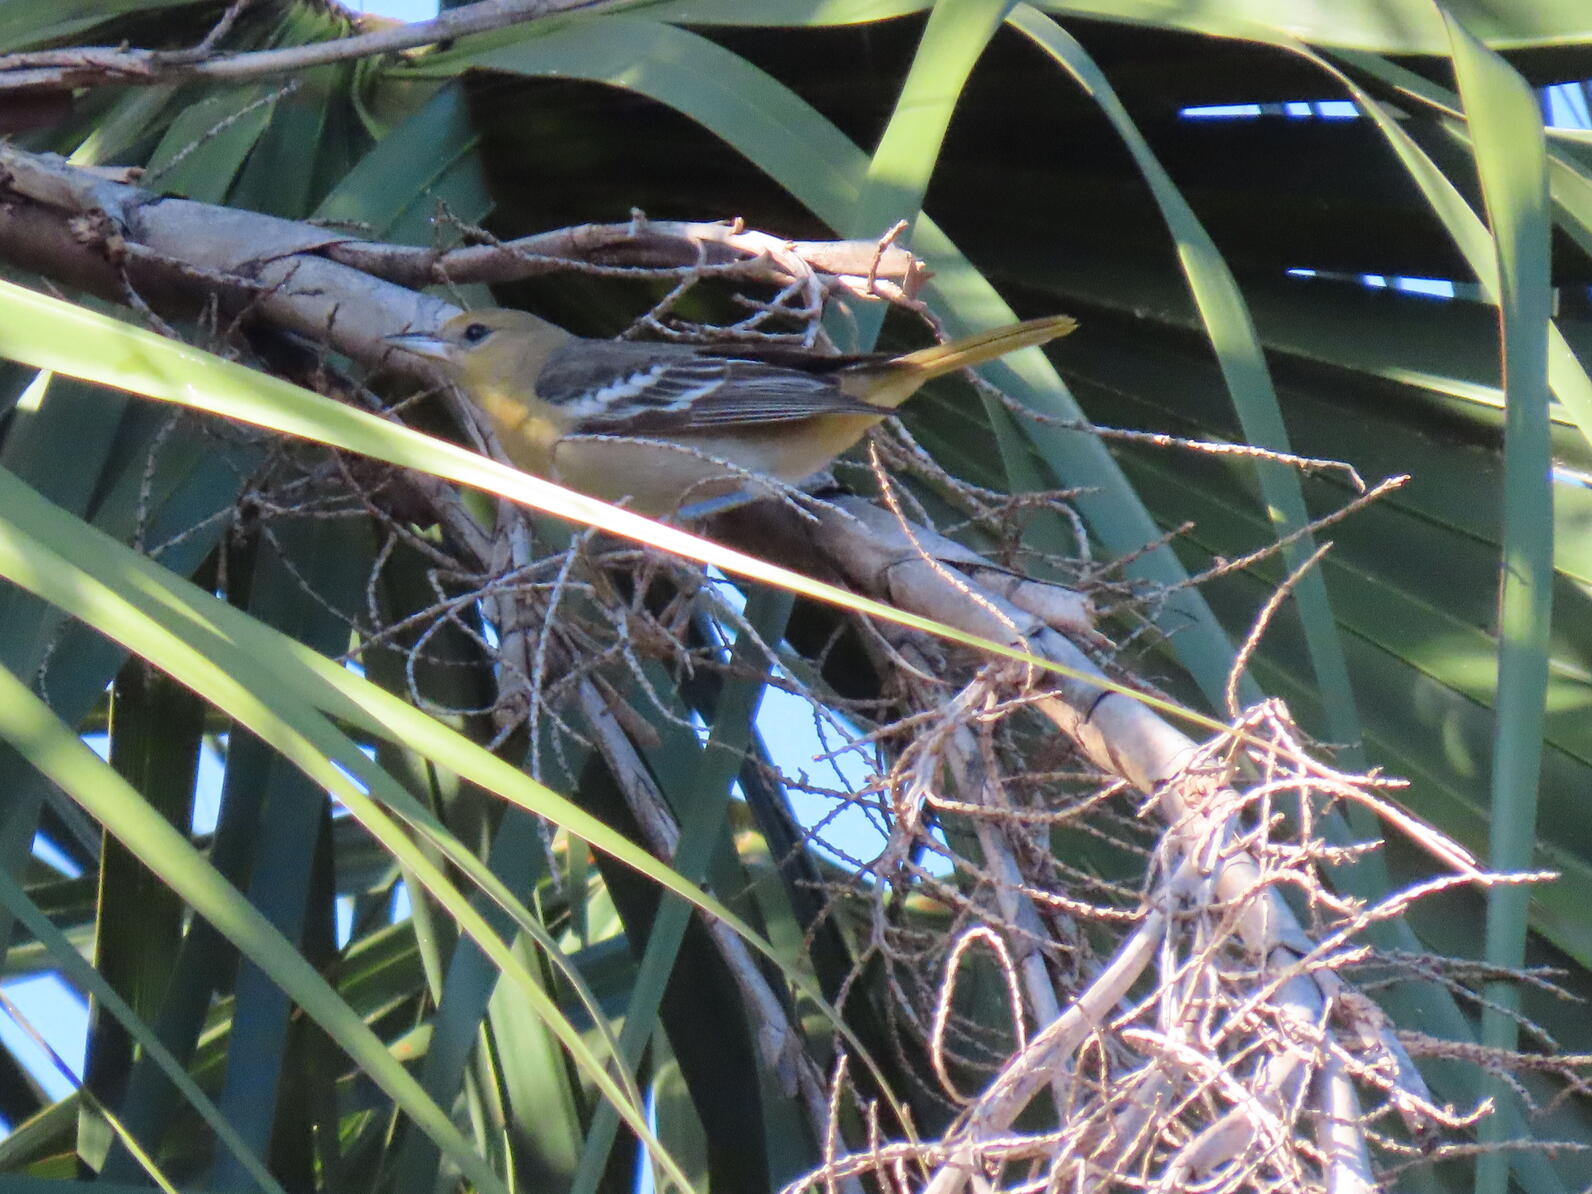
1182,1059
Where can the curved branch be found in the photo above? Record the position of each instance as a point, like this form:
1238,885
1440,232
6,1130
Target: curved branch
89,66
94,229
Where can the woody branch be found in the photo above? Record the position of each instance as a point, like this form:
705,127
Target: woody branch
96,230
88,66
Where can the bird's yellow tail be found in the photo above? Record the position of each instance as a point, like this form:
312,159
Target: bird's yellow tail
984,346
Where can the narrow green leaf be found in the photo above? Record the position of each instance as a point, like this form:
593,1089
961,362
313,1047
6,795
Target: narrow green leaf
287,865
544,1121
898,174
398,179
466,993
86,978
132,117
1360,24
155,731
1511,158
56,751
208,143
712,772
1567,376
1227,322
793,13
64,421
26,23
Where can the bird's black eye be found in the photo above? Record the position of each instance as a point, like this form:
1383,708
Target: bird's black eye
475,333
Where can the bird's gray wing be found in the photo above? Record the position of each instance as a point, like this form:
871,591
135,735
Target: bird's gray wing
623,388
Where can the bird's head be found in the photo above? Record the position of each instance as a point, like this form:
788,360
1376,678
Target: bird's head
487,346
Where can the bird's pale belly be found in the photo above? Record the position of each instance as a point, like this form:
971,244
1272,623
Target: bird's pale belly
661,476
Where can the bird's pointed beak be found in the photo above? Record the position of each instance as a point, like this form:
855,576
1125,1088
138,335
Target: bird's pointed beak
422,344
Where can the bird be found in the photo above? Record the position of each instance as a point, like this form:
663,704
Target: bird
682,429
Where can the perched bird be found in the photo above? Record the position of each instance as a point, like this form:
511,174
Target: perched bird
682,426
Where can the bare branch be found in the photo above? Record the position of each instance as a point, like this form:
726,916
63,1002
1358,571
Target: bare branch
95,230
90,66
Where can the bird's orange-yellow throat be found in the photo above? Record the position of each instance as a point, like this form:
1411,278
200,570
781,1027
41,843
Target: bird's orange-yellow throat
668,426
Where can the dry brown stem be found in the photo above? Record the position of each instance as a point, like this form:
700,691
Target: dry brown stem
90,66
349,293
1248,1043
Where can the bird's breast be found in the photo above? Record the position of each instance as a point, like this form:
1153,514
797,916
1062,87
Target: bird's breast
528,429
